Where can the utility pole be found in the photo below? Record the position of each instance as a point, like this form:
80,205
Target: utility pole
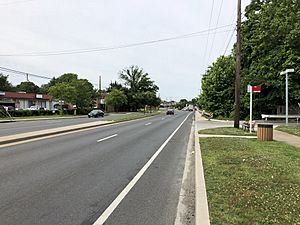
238,69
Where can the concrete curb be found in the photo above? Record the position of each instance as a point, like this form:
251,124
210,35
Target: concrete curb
225,136
201,205
182,208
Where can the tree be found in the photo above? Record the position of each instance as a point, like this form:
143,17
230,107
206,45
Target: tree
182,103
116,98
28,86
138,82
270,44
218,87
5,85
84,95
63,92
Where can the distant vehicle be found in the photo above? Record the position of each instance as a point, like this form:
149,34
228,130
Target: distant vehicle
96,113
170,112
33,107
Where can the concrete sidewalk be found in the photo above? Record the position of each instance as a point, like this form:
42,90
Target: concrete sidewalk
201,205
52,131
287,138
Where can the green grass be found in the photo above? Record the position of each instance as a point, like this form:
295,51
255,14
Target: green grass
295,130
227,131
251,182
134,116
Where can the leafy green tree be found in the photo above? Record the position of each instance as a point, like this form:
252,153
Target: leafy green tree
5,85
137,82
65,78
28,86
85,93
116,98
182,103
63,92
218,87
270,44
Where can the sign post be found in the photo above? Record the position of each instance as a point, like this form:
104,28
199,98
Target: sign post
252,89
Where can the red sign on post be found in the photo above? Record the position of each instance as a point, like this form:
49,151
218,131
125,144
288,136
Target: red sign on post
256,88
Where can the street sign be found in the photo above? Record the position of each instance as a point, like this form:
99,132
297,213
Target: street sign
256,88
250,90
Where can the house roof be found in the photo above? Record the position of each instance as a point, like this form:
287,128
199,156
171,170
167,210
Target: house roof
23,95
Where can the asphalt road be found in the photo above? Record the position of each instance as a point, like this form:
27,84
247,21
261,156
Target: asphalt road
28,126
72,179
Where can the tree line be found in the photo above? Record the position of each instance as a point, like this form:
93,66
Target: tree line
270,44
134,91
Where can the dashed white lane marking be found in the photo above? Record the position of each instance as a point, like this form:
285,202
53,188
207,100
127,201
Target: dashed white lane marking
109,210
163,118
103,139
147,124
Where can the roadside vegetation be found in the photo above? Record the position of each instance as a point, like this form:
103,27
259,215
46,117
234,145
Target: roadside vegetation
227,131
295,130
251,182
270,44
135,91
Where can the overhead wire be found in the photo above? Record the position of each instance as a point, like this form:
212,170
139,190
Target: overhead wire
209,25
4,69
99,49
214,34
231,36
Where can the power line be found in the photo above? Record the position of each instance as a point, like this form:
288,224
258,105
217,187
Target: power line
214,35
209,25
11,71
4,69
229,41
99,49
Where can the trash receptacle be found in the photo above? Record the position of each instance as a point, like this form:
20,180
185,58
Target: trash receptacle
265,132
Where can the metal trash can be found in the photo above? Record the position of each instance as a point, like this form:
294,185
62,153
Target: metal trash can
265,132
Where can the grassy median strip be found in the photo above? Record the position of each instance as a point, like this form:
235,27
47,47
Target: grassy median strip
251,182
134,116
295,130
227,131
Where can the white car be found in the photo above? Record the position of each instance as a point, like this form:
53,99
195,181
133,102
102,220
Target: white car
34,107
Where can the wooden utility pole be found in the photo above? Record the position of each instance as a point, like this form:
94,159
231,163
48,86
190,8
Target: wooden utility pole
238,69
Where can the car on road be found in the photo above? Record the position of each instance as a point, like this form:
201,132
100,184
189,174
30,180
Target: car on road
170,112
96,113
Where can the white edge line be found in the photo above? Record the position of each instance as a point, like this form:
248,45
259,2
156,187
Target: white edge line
103,139
109,210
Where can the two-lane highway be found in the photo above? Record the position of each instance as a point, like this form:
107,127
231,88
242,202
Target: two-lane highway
128,173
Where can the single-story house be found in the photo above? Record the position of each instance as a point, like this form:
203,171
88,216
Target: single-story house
23,100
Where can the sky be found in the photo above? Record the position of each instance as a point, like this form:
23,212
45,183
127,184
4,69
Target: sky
176,65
